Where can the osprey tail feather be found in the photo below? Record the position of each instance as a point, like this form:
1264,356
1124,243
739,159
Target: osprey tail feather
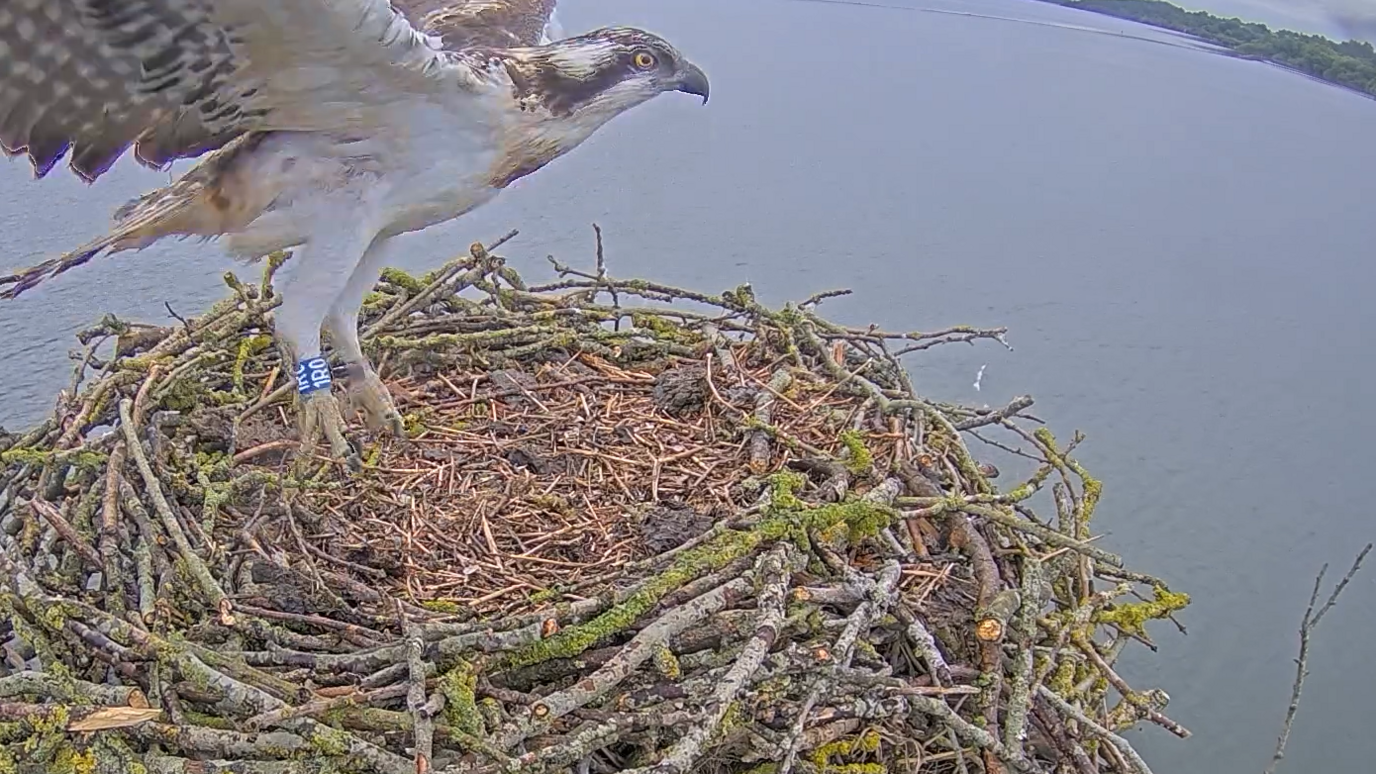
143,226
211,199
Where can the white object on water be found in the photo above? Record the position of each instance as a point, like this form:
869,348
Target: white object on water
979,377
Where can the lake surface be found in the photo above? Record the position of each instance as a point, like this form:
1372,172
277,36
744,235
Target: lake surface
1181,244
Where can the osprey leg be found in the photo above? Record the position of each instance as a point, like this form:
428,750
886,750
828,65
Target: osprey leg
365,389
315,278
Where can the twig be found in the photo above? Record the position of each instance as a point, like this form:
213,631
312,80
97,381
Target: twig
1119,743
773,570
620,666
1049,536
69,690
1138,701
422,713
209,586
173,313
995,417
64,528
1308,624
878,597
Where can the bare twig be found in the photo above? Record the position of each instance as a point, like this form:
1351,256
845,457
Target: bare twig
1308,624
773,571
1119,743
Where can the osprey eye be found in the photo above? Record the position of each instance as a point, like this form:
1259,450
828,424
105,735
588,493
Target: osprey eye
644,60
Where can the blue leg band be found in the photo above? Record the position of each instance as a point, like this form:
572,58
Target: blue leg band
312,374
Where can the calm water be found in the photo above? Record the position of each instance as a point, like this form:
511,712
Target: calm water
1180,242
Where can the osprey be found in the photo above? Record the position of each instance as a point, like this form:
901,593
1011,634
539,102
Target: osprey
331,127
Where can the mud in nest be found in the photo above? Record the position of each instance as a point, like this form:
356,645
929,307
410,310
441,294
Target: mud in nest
630,527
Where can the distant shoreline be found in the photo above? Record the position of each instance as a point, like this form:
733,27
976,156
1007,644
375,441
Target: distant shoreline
1350,65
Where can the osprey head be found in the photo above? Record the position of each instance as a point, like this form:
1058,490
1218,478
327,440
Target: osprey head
602,73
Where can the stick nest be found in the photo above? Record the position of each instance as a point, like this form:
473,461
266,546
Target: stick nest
631,527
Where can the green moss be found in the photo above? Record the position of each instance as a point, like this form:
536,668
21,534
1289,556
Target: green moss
402,280
35,638
376,302
329,742
53,618
144,363
665,329
459,686
491,711
213,495
248,347
1093,487
211,463
414,423
734,717
1030,487
1062,680
866,743
372,456
98,406
788,517
233,282
743,296
84,518
69,761
1133,616
47,734
271,264
544,595
54,721
862,519
865,648
667,663
441,605
692,564
83,459
790,315
183,395
13,732
859,459
209,721
782,486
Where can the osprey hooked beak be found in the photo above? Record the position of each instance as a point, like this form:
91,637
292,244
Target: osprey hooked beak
692,80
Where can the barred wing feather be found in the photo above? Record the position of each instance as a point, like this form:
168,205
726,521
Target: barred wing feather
466,24
177,78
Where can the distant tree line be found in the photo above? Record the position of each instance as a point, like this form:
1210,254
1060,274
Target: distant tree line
1351,64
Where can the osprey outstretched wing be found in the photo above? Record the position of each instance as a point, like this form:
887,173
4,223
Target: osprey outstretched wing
328,125
177,78
469,24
